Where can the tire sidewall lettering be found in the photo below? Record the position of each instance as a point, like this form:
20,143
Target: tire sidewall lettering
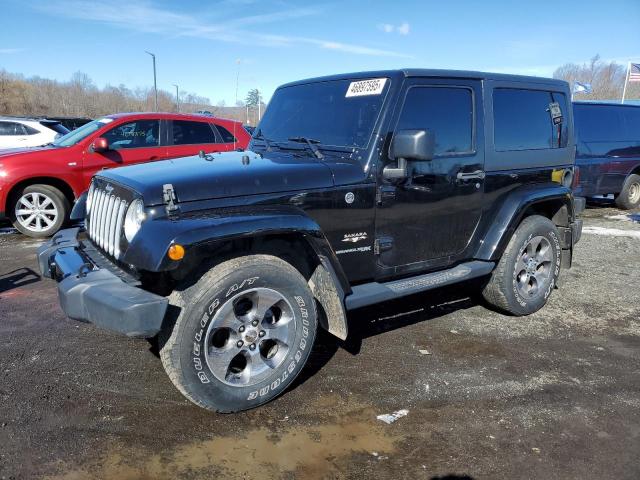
295,362
198,361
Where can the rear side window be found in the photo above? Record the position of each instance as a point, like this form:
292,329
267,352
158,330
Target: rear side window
607,123
227,136
445,111
191,133
529,119
29,130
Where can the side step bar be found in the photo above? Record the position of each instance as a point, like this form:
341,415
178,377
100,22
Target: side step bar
374,292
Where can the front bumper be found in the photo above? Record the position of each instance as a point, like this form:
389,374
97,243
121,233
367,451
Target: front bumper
96,295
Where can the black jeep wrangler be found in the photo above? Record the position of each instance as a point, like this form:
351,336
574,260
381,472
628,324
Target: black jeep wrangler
355,189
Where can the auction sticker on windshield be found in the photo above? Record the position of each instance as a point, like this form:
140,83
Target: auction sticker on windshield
366,87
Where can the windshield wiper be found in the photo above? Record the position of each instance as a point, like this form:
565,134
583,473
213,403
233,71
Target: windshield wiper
311,143
260,136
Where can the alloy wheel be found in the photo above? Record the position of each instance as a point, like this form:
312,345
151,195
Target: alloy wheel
249,337
534,267
36,211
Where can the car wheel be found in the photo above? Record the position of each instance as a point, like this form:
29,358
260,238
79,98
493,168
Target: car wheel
243,333
629,197
528,270
39,210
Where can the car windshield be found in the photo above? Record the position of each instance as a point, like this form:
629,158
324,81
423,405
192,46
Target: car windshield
81,133
338,113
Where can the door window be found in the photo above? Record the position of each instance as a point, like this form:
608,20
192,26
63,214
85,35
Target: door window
137,134
524,120
11,128
447,112
192,133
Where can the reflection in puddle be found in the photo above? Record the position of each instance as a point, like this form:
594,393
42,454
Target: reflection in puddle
309,451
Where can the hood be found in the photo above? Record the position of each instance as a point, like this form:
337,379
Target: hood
225,175
5,154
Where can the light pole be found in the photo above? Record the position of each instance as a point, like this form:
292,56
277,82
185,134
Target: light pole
155,85
177,98
237,79
259,106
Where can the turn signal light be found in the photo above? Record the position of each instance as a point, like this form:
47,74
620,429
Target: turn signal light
176,252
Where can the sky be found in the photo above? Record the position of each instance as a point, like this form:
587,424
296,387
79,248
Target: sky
205,45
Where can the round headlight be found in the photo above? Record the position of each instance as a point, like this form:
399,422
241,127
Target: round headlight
89,198
134,218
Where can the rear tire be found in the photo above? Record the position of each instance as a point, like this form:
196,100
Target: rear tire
629,197
528,270
39,210
243,333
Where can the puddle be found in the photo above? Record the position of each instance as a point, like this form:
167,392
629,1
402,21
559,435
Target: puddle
308,451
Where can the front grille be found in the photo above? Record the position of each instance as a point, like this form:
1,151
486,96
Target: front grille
105,220
103,262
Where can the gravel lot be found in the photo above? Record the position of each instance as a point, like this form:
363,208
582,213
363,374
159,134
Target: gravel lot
553,395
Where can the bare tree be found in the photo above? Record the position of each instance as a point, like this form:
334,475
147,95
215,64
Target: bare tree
606,79
79,96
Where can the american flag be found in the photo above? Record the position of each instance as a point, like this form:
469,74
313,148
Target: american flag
634,72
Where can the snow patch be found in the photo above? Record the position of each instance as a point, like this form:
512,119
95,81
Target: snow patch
612,232
389,418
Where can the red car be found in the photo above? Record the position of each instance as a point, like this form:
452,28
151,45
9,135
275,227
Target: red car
39,185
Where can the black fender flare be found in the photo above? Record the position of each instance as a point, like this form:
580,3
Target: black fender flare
328,282
512,210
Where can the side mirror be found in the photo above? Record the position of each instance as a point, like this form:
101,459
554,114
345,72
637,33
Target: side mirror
100,144
417,145
413,145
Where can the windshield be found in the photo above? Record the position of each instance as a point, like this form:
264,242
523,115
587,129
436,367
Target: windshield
78,134
334,113
55,126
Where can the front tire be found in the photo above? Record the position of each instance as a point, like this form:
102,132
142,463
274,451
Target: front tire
244,332
528,270
39,211
629,197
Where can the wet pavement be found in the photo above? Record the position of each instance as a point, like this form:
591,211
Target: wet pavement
552,395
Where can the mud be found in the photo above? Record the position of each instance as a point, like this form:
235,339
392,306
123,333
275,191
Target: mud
552,395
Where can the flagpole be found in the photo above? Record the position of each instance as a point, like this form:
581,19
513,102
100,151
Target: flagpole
573,87
626,80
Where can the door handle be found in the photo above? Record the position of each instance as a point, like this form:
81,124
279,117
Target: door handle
154,157
477,175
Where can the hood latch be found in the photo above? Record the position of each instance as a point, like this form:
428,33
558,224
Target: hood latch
169,198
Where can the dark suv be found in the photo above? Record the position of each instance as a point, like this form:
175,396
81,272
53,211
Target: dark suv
355,189
608,151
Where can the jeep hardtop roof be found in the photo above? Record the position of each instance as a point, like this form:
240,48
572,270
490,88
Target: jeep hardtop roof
434,73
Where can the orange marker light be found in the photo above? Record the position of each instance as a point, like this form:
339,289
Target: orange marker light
176,252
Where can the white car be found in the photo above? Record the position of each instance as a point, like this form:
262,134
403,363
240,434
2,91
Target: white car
25,132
